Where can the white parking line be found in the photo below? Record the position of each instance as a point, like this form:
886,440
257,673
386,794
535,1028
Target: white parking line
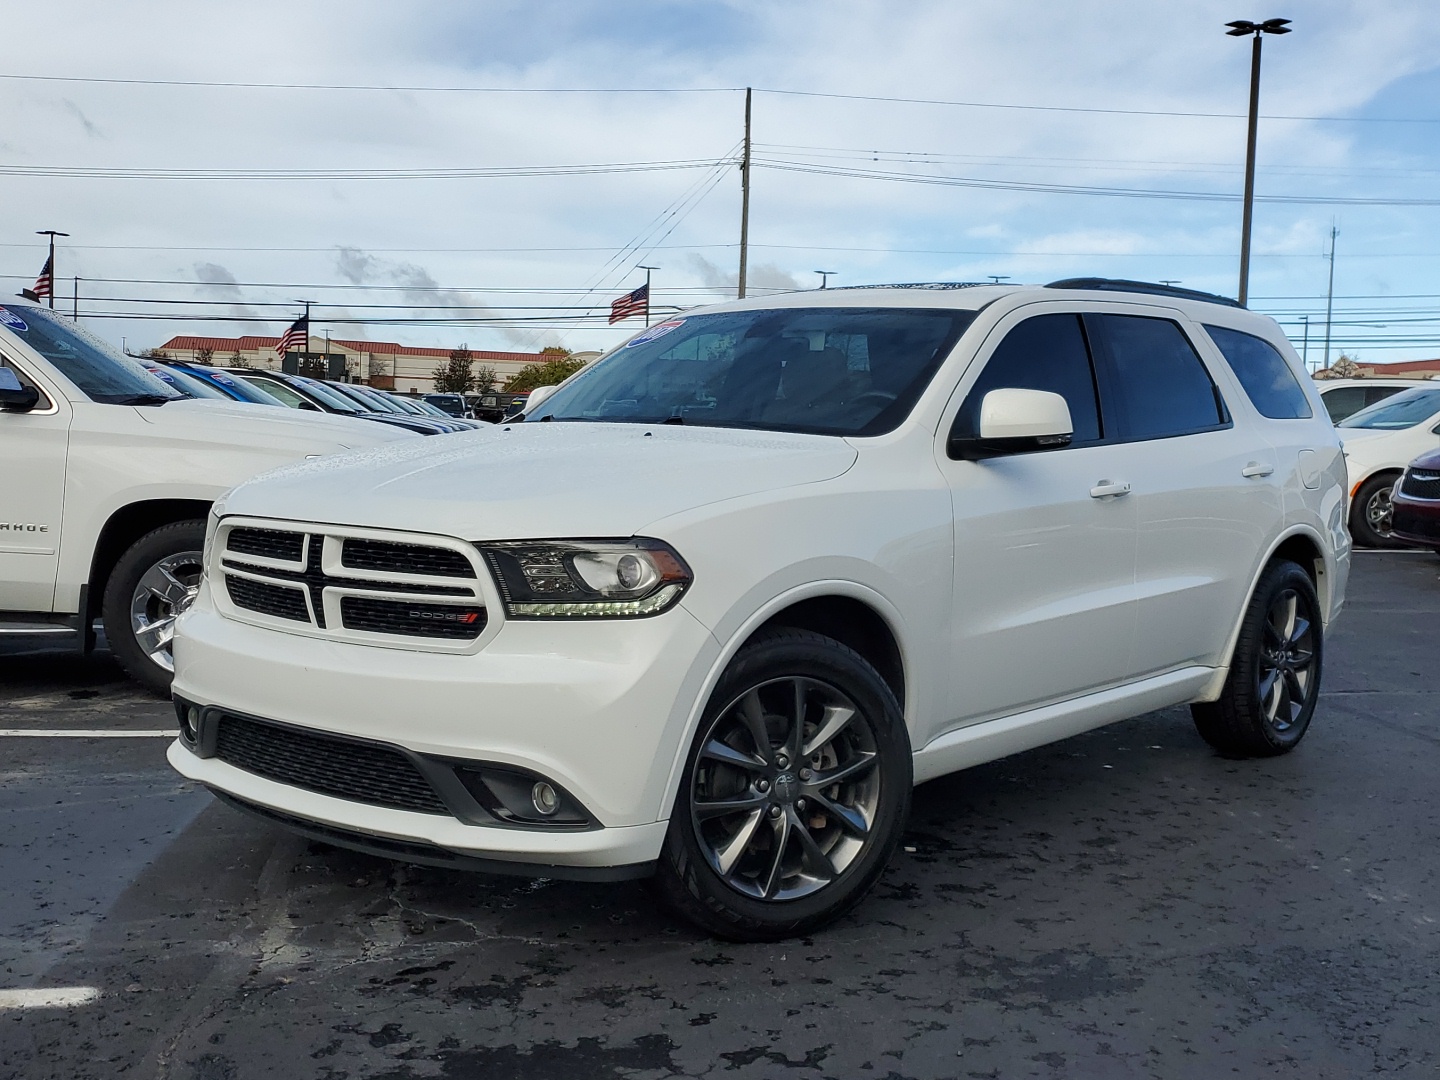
59,997
81,733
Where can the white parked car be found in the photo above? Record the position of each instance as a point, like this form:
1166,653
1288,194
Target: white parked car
1379,442
728,593
1345,397
106,477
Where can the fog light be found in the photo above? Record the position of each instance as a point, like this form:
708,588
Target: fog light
545,798
192,720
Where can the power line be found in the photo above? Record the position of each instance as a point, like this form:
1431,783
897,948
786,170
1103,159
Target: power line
236,84
107,172
1079,189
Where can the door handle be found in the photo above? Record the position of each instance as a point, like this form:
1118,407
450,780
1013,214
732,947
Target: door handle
1107,488
1256,468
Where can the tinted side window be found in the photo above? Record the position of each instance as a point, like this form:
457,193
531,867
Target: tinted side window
1343,401
1046,352
1263,372
1380,393
1156,384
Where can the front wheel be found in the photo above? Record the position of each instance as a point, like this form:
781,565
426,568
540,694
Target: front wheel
1274,681
794,795
153,582
1370,515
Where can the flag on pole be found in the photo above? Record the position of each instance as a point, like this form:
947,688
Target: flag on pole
45,283
297,337
632,303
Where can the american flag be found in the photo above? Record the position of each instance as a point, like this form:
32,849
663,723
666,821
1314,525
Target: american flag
297,337
45,283
632,303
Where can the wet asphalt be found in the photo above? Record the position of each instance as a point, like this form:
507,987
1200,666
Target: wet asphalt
1123,904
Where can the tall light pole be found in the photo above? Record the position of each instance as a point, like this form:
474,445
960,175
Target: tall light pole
1330,292
648,297
1243,28
51,233
825,276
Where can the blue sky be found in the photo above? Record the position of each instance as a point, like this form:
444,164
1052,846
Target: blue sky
525,251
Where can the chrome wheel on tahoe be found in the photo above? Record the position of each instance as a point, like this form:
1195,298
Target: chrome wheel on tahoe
152,583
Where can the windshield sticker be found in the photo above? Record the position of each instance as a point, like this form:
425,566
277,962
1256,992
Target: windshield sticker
659,330
9,319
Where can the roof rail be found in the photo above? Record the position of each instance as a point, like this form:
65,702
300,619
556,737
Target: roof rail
916,285
1122,285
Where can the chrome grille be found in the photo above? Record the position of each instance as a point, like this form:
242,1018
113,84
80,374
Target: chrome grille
1421,484
327,581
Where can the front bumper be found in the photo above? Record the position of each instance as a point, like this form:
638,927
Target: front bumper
1416,521
600,708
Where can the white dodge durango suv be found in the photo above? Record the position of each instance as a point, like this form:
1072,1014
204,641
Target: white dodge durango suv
715,606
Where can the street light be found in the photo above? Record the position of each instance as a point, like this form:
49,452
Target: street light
825,276
1244,28
997,278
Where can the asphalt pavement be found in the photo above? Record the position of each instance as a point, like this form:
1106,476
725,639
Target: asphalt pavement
1123,904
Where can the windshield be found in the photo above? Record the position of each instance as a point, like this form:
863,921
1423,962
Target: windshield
279,391
101,372
1406,409
190,384
827,371
238,389
336,401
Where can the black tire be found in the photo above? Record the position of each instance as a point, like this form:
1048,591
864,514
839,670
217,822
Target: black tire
169,552
1274,681
1370,512
778,883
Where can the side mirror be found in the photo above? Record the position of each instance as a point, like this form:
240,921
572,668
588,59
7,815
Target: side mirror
538,395
13,396
1014,421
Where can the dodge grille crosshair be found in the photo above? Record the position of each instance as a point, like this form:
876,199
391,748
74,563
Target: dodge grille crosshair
329,582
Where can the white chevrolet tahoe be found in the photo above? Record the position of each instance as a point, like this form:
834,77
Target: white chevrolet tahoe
715,606
105,482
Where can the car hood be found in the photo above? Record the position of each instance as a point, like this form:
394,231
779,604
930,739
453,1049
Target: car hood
240,424
523,481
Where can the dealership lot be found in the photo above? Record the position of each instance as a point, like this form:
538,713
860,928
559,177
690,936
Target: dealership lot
1125,903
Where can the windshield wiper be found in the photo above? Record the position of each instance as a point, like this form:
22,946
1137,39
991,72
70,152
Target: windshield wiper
141,399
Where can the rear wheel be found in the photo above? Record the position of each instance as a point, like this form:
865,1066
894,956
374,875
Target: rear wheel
794,795
1274,681
1371,512
151,584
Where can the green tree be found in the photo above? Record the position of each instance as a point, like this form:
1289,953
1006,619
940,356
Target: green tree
544,373
455,376
485,379
205,356
238,359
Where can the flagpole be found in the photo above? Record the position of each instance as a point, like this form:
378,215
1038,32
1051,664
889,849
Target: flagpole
51,233
647,270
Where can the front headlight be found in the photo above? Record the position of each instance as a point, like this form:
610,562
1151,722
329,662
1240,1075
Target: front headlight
564,579
212,523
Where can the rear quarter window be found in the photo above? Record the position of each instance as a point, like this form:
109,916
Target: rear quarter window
1155,384
1267,379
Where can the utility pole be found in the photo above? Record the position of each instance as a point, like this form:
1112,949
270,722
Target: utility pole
1305,343
1243,28
75,311
648,295
1330,292
744,200
51,233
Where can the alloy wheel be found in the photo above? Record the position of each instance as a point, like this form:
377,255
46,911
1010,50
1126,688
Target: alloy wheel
1378,511
786,788
1286,672
163,592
